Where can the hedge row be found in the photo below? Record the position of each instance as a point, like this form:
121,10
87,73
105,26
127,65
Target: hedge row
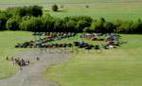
31,18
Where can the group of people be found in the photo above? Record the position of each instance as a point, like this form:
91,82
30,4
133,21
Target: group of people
20,61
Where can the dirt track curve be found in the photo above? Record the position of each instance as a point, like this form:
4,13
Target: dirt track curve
32,75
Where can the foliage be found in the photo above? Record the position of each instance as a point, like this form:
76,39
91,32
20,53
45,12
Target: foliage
13,23
30,18
3,18
31,24
55,7
25,11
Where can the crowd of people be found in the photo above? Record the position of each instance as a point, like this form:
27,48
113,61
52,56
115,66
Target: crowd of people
21,62
18,61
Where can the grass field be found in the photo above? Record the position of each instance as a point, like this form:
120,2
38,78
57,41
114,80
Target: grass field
8,39
63,1
110,9
116,67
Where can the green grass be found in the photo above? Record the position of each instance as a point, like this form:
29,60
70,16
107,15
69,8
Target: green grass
110,9
62,1
116,67
8,39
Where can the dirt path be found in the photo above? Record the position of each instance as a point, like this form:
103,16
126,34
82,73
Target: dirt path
32,75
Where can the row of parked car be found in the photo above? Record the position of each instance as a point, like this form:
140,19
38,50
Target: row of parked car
44,42
53,34
55,45
109,41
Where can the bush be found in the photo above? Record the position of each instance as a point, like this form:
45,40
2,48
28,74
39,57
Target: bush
109,27
87,6
34,24
30,18
55,7
88,30
25,11
13,23
3,19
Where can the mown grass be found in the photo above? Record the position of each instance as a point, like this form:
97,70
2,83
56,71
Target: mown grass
115,67
8,39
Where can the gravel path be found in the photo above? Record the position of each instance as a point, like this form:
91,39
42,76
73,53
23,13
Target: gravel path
32,75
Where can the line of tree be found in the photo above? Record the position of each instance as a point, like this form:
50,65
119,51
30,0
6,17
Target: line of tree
31,18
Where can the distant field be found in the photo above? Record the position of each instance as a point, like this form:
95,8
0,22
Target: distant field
8,39
116,67
110,9
63,1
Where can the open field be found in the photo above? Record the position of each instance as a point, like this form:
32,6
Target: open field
116,67
7,43
119,67
63,1
111,9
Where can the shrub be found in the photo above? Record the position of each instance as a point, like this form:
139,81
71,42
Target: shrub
25,11
3,19
13,23
55,7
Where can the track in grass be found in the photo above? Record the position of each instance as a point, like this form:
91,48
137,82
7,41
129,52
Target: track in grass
32,75
7,40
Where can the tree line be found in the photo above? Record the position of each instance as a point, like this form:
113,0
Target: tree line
32,18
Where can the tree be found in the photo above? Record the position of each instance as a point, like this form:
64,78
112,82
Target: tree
88,30
25,11
59,25
87,6
97,26
13,23
48,23
136,27
70,26
55,8
109,27
125,27
3,19
34,24
13,11
81,25
35,10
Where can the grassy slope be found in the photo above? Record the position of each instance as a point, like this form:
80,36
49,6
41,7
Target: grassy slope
112,10
116,67
62,1
7,41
